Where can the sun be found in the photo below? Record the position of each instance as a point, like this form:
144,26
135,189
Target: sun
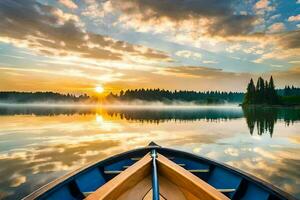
99,89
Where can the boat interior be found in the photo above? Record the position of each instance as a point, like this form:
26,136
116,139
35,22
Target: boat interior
176,175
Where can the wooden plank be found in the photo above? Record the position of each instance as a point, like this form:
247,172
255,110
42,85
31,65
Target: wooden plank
188,195
187,180
149,196
124,181
138,191
170,190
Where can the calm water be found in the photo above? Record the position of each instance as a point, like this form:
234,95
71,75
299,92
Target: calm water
39,144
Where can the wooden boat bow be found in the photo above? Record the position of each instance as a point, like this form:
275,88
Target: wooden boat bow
123,185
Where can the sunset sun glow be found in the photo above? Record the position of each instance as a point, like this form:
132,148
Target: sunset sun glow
99,89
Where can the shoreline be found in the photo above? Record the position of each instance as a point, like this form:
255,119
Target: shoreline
128,106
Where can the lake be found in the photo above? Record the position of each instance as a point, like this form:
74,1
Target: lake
41,143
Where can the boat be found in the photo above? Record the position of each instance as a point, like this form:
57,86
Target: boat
158,173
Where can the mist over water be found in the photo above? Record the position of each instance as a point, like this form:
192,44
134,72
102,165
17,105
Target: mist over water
39,143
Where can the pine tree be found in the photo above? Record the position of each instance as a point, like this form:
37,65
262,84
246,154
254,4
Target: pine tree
267,93
250,94
259,91
273,95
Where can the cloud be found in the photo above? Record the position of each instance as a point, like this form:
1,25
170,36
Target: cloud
277,27
262,4
275,16
50,31
295,62
294,18
198,23
233,48
209,62
216,18
286,46
189,54
68,3
288,77
198,72
290,40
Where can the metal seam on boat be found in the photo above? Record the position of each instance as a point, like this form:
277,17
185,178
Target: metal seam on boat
198,170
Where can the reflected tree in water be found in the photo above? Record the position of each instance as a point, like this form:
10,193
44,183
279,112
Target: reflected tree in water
165,115
264,119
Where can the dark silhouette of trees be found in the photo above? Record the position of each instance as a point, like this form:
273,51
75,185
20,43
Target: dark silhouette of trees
33,97
164,115
263,119
291,91
250,94
167,96
263,93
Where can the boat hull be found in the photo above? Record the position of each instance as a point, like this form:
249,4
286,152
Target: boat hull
232,182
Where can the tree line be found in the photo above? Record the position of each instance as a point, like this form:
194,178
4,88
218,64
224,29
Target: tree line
182,95
291,91
263,92
31,97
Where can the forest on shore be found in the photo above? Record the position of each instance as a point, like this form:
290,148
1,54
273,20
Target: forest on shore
263,93
41,97
167,96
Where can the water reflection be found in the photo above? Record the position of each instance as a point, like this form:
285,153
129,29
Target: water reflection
39,144
164,115
262,120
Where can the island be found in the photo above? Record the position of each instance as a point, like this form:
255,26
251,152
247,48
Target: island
265,94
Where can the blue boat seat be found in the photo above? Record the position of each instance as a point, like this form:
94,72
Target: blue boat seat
61,193
222,179
192,165
90,180
118,166
254,192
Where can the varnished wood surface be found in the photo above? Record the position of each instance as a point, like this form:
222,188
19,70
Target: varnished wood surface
138,191
113,189
169,190
175,183
149,196
187,180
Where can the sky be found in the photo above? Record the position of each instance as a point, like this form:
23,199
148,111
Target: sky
79,45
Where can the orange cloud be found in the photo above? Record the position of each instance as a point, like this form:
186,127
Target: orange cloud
68,3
